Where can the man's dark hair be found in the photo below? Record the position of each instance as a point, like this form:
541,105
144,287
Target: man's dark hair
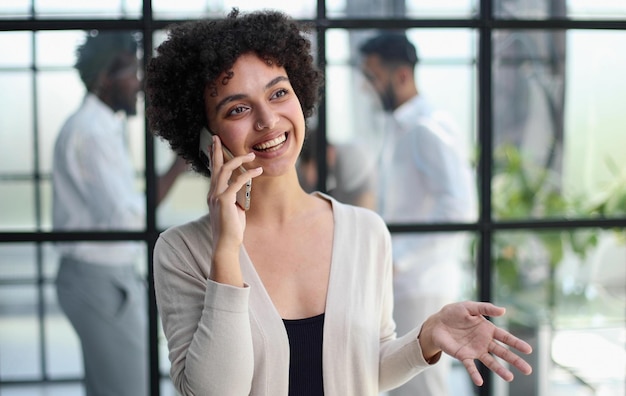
99,52
393,48
196,54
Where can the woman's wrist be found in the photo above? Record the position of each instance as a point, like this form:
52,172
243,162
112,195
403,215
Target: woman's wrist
430,351
225,268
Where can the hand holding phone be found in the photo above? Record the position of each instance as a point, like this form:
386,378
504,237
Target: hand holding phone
206,141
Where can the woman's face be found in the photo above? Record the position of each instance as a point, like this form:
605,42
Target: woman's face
258,110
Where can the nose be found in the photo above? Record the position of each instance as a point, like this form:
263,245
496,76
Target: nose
267,118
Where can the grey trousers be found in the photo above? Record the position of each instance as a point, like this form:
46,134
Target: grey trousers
107,307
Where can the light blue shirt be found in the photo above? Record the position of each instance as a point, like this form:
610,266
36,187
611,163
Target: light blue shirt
425,177
94,186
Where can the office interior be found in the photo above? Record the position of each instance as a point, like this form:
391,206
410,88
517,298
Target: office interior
536,88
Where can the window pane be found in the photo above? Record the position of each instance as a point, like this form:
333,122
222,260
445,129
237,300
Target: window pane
60,93
86,9
16,122
19,335
166,9
17,209
45,202
594,164
14,9
558,9
565,293
445,79
185,202
17,49
431,270
50,261
120,199
17,261
57,48
396,9
557,124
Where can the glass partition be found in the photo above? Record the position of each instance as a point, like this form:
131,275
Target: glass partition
559,9
558,140
565,293
401,9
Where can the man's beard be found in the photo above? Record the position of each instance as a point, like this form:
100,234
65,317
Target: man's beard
388,99
126,104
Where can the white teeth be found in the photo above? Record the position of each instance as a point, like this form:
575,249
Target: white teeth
272,143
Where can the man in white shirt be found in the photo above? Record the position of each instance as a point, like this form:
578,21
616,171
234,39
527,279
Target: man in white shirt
425,177
94,189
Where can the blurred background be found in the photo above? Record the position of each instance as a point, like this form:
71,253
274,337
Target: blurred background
536,88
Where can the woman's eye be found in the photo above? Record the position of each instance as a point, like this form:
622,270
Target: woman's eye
237,110
280,93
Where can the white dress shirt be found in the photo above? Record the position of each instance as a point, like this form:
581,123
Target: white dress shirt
425,177
94,186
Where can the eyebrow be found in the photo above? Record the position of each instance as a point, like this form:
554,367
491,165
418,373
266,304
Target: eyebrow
235,97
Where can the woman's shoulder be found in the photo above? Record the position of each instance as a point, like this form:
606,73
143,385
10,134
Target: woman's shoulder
197,230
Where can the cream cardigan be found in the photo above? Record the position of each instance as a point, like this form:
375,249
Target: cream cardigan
225,340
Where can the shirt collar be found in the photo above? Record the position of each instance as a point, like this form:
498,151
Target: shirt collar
409,111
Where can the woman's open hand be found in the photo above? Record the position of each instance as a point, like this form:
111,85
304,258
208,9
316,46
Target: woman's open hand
462,331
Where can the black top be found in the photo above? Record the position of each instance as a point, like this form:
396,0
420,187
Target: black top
305,345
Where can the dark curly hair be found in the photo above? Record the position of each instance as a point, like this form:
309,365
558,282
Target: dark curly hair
196,53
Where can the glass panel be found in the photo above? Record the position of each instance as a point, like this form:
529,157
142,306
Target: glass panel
442,115
431,270
57,48
49,389
594,164
50,261
398,9
17,261
165,9
16,122
111,177
19,333
60,93
17,207
557,102
86,9
186,201
17,49
63,353
557,9
14,9
442,8
565,293
45,202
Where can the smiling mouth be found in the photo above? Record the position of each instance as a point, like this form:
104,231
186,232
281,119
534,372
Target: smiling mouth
271,145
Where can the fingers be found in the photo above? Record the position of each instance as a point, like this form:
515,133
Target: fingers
510,357
512,341
484,309
492,364
228,174
473,372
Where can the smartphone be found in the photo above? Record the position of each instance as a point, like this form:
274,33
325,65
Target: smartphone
206,141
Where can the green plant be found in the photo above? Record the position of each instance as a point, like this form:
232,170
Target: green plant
526,262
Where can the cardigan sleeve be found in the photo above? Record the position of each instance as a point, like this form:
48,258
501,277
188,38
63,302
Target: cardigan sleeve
206,324
401,358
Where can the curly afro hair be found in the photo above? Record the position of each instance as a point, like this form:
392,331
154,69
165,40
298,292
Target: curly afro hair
196,53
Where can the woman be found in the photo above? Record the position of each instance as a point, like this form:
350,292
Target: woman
292,296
